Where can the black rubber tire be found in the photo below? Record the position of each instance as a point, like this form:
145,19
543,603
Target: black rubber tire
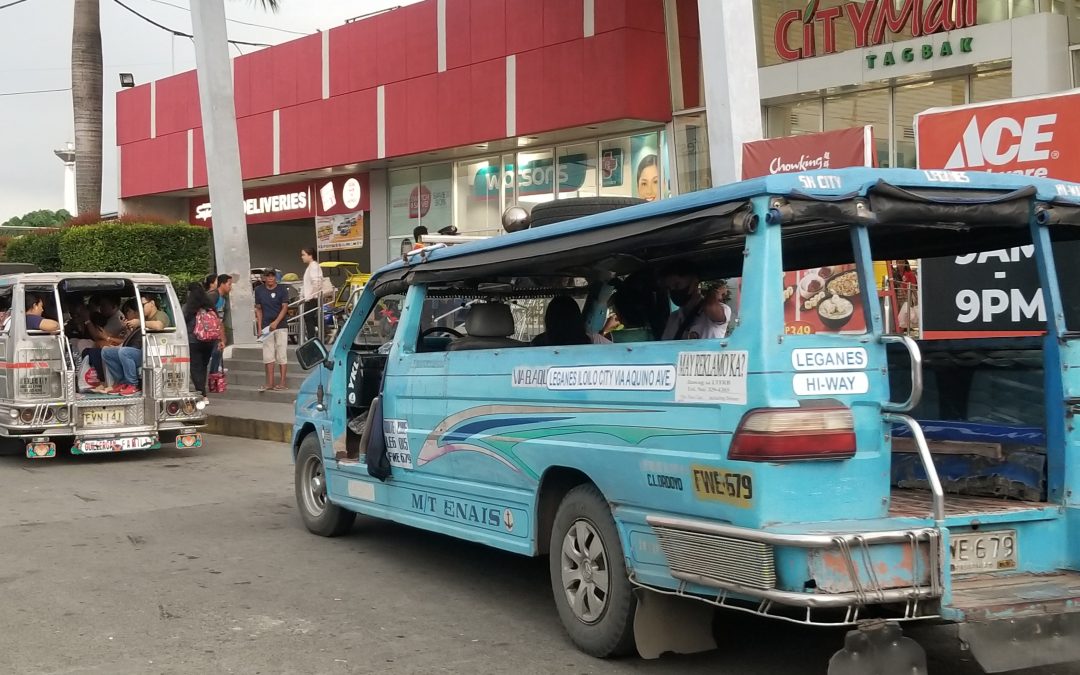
559,210
613,633
333,521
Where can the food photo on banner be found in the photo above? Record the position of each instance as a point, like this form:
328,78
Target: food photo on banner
823,300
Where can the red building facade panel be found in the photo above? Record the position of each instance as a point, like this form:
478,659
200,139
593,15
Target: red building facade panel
563,80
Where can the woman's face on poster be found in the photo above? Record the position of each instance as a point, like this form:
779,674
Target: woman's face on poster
648,186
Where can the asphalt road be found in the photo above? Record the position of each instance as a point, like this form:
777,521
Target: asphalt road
197,562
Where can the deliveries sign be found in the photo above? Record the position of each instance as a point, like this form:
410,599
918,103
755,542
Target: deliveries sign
810,152
1037,136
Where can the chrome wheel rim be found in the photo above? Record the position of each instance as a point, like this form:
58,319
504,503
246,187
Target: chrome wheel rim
313,486
585,571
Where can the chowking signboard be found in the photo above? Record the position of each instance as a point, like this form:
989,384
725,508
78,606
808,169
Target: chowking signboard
809,152
997,293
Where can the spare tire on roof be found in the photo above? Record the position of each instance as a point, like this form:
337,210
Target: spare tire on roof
557,211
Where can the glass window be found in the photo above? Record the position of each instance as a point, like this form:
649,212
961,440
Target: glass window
478,208
692,152
534,177
1076,67
577,171
615,179
856,110
914,99
435,199
991,86
404,210
793,119
379,328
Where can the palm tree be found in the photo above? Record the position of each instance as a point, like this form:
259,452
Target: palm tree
86,93
86,90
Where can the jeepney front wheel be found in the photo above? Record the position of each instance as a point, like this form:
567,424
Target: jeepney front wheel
588,575
320,516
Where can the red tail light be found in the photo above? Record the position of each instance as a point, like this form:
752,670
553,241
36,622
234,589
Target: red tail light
788,434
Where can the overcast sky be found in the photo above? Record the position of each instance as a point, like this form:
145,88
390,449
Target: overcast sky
35,53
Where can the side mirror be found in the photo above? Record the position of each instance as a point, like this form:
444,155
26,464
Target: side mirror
312,353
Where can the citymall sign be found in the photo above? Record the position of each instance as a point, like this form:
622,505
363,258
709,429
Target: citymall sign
865,24
809,152
1035,136
325,197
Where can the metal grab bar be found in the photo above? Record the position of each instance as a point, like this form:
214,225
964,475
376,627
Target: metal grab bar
916,373
936,492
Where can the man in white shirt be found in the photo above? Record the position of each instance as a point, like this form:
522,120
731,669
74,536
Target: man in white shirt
699,316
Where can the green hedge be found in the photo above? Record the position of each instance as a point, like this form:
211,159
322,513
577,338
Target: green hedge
179,251
41,249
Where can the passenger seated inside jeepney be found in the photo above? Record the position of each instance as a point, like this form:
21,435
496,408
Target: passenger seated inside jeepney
699,315
122,363
564,325
35,319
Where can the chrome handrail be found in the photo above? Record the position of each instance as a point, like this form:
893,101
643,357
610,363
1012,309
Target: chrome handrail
936,491
916,373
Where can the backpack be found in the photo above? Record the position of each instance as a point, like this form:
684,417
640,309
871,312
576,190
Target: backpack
207,326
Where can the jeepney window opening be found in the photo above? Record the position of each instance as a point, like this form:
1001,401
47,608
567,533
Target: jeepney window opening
51,298
1065,241
6,297
162,299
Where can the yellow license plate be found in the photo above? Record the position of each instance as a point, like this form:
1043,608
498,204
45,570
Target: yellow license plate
103,417
717,484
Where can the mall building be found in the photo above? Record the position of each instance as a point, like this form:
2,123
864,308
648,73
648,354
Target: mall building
444,112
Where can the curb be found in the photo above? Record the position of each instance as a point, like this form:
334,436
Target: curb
259,430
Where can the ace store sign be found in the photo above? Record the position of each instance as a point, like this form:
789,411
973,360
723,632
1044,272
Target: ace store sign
867,24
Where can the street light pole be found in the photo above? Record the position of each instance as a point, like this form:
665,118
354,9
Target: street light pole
214,69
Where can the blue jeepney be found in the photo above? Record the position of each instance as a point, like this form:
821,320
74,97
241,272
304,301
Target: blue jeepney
803,464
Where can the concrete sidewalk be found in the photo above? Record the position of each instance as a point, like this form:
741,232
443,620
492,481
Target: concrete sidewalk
250,419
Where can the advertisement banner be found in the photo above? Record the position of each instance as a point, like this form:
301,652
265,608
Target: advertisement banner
995,293
340,232
810,152
291,201
1036,136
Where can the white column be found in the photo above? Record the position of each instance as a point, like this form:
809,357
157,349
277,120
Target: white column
378,189
732,97
223,160
1043,65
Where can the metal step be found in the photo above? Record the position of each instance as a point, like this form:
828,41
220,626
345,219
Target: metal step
987,597
254,378
1019,620
252,394
256,365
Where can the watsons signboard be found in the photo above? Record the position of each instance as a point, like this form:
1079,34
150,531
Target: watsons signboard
538,176
866,24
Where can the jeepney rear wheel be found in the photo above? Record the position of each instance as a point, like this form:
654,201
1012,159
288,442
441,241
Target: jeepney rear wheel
594,597
320,516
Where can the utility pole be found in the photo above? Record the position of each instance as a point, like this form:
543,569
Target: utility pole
732,95
214,67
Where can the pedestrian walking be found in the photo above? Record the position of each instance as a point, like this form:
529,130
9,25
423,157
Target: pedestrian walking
204,333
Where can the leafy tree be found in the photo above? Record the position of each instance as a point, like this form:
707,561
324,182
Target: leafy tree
41,218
